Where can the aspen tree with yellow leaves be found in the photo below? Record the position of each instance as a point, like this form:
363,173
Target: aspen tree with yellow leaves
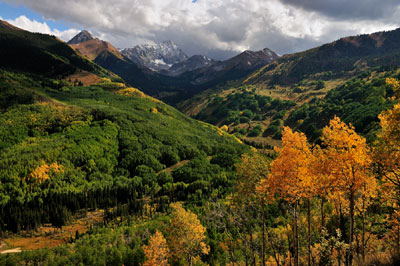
291,178
186,235
387,157
157,252
350,160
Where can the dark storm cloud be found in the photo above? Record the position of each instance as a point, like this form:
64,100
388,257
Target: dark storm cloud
349,9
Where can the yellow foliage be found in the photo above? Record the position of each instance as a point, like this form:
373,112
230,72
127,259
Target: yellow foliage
225,128
348,156
148,210
132,92
394,83
186,234
157,252
387,154
33,118
388,150
41,173
290,174
251,170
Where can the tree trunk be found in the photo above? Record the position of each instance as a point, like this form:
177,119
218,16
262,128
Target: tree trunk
231,251
322,214
351,231
190,261
246,255
309,230
296,236
398,240
263,234
363,232
253,256
290,253
275,250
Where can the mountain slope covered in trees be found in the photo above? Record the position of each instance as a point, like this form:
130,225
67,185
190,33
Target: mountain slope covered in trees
65,147
346,78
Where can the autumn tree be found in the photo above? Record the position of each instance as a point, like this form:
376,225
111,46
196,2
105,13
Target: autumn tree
324,184
395,84
156,251
387,158
186,235
387,152
291,178
251,170
350,161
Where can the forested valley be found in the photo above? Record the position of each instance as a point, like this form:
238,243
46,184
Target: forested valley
99,173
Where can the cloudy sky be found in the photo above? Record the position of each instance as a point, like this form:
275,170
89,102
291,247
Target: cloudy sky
217,28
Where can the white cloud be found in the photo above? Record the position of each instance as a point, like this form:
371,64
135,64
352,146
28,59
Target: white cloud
35,26
218,28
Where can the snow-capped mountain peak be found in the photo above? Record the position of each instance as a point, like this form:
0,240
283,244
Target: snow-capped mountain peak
156,56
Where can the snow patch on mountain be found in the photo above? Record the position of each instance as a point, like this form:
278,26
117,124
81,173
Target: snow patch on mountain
158,57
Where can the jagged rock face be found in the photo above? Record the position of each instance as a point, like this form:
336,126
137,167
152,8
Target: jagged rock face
193,63
250,59
81,37
233,68
156,56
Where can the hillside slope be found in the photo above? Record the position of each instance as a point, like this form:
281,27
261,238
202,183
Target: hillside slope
65,148
43,54
348,56
307,81
93,47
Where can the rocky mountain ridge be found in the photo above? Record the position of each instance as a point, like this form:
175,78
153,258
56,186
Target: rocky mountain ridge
157,57
81,37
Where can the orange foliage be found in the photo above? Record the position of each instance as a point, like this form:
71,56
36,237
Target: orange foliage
290,174
157,251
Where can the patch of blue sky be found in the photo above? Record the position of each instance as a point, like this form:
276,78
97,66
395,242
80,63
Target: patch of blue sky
11,12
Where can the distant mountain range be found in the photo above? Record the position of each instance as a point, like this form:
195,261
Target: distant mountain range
233,68
168,59
164,71
190,64
157,57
